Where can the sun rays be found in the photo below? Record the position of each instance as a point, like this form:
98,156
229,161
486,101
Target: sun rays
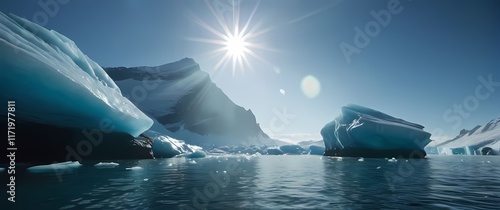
236,44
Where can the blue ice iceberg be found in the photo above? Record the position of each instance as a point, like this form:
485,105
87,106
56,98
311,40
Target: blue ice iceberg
167,147
54,83
364,132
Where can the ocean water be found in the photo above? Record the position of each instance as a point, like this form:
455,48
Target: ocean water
265,182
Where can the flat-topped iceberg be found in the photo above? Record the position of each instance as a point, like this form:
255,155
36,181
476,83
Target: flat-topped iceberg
364,132
54,83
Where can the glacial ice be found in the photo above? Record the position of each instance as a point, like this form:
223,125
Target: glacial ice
167,147
363,129
196,154
274,151
316,150
55,167
106,165
292,149
135,168
54,83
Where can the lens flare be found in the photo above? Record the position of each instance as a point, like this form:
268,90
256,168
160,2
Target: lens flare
310,86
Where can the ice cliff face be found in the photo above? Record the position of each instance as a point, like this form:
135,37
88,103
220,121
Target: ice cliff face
64,100
186,104
54,83
364,132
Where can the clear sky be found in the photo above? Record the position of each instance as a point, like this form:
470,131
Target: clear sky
420,65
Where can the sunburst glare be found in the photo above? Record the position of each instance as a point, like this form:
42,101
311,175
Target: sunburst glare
236,44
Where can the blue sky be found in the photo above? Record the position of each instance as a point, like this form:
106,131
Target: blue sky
420,66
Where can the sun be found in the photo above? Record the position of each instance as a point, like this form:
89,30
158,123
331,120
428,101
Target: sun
237,44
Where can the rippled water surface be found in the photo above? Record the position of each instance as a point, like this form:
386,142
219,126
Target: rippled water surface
266,182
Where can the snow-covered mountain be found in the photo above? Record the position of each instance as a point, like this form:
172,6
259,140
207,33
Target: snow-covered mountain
473,141
186,104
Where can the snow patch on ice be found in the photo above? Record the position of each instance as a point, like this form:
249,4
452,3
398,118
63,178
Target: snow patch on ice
134,168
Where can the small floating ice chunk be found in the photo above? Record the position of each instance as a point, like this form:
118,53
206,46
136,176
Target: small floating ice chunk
361,159
106,165
134,168
282,92
378,167
192,162
488,161
170,164
67,207
393,160
65,166
196,154
146,179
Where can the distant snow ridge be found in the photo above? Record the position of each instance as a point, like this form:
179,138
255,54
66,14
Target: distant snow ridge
483,139
54,83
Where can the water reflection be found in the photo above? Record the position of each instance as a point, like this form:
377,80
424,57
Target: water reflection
268,182
285,181
375,183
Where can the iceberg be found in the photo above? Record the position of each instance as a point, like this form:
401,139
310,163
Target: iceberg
364,132
196,154
316,150
106,165
44,68
274,151
167,147
292,149
51,168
